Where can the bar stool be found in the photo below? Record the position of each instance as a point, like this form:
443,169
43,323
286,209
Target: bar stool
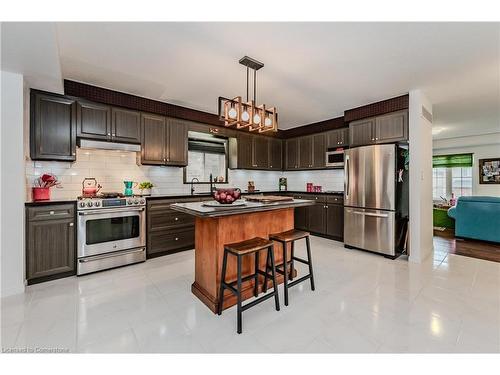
290,236
240,249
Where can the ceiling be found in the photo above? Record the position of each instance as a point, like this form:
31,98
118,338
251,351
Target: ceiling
313,71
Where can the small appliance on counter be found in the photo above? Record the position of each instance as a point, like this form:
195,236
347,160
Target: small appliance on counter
129,185
251,186
90,187
317,188
282,185
309,187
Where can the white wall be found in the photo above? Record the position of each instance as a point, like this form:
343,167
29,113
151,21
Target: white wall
420,139
482,147
111,168
12,180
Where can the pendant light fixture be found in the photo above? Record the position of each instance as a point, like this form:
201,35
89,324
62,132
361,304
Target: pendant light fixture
235,112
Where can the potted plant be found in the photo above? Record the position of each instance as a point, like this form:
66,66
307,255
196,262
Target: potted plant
145,187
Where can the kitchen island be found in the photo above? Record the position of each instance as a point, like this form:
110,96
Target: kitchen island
215,227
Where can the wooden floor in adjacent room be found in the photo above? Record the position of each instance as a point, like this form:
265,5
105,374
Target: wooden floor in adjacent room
446,241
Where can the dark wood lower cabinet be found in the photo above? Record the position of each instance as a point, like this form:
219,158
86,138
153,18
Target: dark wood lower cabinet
325,218
168,231
50,242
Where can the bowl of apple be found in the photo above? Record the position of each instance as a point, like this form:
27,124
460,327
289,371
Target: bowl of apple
227,196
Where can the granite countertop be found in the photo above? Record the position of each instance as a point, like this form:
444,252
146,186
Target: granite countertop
173,196
198,208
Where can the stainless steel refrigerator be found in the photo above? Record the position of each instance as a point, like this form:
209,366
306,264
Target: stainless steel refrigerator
376,199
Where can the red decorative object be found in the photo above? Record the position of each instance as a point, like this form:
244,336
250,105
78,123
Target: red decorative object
41,193
309,187
227,196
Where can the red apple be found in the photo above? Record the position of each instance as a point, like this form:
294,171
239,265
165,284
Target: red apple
222,196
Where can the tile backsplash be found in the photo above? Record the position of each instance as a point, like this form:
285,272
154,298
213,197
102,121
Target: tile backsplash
111,168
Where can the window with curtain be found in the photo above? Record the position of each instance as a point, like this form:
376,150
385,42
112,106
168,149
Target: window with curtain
451,174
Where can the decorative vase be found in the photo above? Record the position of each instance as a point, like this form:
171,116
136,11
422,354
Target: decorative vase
145,191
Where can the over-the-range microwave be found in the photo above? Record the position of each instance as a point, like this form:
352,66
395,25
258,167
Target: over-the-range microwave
335,158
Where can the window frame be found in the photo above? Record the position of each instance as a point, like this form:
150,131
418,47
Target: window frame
184,174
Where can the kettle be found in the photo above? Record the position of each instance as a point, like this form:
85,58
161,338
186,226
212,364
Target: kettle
129,185
90,187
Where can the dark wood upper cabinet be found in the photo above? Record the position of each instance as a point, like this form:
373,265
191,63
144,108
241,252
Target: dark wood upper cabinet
176,143
93,120
260,152
126,125
50,242
292,153
337,138
318,150
392,127
245,151
275,154
362,132
153,129
305,152
52,127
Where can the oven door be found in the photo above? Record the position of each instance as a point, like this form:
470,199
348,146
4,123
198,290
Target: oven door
107,230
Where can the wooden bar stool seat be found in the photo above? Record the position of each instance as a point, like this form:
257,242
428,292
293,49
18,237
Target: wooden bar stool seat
286,268
241,249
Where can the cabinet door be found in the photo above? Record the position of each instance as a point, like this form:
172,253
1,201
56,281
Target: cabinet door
93,121
50,247
317,218
52,127
343,136
126,126
392,127
362,132
292,153
300,218
305,152
177,143
275,154
153,139
260,152
245,151
335,221
332,139
319,151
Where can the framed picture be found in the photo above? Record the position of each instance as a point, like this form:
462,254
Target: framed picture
489,171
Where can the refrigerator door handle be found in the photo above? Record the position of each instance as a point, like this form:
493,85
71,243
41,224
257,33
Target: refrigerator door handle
346,177
367,213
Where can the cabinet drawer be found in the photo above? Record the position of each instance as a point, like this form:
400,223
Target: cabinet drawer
169,218
63,211
335,199
165,241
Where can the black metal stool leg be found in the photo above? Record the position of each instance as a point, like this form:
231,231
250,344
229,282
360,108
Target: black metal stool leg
309,258
285,273
256,281
275,283
222,281
264,287
292,264
239,311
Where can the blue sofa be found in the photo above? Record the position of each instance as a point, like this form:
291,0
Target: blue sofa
477,218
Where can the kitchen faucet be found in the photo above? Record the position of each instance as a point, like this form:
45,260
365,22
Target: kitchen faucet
192,184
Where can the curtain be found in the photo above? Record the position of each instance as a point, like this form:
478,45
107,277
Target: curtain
450,161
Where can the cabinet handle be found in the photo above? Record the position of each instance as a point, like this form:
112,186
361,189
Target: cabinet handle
51,212
164,159
177,238
376,138
176,219
109,134
168,159
113,134
71,224
316,198
326,206
74,153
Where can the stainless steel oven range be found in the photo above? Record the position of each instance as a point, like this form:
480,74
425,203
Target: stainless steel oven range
111,233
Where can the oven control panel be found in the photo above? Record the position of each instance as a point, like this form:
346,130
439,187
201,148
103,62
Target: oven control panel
94,203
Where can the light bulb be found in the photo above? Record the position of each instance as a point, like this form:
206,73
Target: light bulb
268,121
232,113
256,119
245,116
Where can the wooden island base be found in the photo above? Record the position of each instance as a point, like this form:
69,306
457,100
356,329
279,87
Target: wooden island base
212,233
